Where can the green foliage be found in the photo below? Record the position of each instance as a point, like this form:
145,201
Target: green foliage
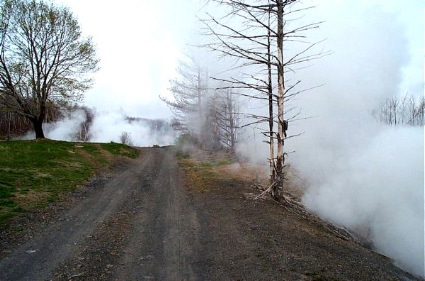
33,173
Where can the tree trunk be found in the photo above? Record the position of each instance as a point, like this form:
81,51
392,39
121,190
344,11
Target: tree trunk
200,113
38,128
270,93
277,191
9,127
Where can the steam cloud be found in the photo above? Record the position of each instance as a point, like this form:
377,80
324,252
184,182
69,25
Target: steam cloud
377,192
108,126
366,176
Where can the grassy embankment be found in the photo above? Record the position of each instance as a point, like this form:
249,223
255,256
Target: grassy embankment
34,173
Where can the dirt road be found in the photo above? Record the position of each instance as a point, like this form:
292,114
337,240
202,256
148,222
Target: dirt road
139,225
142,223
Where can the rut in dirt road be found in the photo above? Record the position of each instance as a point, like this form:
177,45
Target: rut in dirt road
138,225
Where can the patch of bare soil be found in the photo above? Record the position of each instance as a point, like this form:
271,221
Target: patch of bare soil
143,221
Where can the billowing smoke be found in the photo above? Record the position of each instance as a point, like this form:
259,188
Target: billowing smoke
111,126
376,191
68,128
366,176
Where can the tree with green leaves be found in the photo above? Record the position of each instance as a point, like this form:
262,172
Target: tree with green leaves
44,59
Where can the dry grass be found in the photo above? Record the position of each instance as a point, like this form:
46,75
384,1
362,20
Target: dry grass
197,176
31,199
243,171
200,171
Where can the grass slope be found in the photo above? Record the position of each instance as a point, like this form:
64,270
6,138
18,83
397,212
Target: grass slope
33,173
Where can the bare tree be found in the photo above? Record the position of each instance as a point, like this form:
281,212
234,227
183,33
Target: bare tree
224,109
84,133
189,90
208,115
258,42
125,138
405,110
43,58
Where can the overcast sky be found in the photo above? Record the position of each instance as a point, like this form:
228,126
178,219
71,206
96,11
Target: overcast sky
140,41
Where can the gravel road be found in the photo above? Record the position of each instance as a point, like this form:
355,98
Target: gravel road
139,225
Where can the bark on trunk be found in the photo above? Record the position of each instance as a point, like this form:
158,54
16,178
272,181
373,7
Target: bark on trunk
277,191
230,107
270,92
201,114
38,128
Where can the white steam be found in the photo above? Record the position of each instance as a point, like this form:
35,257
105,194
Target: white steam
379,192
66,129
109,127
363,175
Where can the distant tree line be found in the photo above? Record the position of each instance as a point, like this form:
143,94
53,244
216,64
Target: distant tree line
14,125
405,110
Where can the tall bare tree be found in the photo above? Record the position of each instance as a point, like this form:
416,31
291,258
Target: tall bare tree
224,108
209,116
258,42
189,91
43,58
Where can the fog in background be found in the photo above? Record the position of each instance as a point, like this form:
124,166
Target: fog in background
110,126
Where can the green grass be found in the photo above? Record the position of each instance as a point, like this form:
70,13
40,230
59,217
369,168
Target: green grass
33,173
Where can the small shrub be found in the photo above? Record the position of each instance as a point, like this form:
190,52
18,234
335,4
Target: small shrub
125,138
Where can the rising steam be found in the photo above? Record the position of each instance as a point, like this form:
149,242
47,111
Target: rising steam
366,176
111,126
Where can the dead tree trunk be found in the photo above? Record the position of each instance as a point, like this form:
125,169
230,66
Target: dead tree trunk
200,113
277,189
231,120
264,26
270,94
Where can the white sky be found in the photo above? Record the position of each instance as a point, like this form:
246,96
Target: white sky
140,41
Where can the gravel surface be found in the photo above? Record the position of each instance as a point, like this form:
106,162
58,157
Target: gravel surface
141,222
